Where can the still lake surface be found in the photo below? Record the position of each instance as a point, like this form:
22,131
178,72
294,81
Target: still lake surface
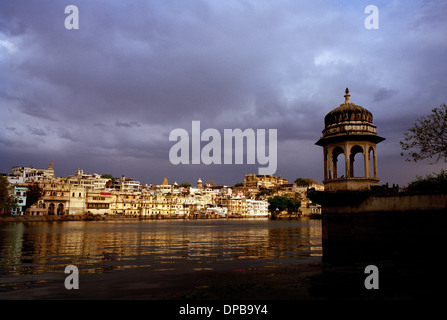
31,252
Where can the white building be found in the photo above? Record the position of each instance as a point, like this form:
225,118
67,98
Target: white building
257,208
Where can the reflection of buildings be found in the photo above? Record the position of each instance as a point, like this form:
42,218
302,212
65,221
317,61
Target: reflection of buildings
94,247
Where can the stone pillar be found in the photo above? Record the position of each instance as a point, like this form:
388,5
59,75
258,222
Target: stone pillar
375,162
347,162
366,160
330,157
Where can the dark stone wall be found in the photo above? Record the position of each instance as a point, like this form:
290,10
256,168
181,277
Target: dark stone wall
399,236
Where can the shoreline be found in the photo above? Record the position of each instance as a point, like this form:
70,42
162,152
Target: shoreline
47,218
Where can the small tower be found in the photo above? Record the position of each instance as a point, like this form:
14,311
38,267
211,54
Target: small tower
199,183
50,170
349,130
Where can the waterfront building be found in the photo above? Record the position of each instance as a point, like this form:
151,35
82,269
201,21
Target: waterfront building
98,202
19,192
129,185
83,193
257,208
76,203
12,179
165,187
348,131
89,181
55,196
163,205
263,181
235,205
37,209
32,174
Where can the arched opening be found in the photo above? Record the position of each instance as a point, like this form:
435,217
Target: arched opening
338,165
60,209
357,162
372,163
51,209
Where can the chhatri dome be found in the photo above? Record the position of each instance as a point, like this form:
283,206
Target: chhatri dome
348,117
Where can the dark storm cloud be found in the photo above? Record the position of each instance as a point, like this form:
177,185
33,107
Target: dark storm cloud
107,95
37,131
127,124
383,94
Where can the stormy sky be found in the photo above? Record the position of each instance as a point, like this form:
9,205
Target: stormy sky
106,96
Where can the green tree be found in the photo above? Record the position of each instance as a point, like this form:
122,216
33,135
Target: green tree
185,184
239,184
301,181
431,183
283,203
264,192
7,201
107,176
33,194
427,138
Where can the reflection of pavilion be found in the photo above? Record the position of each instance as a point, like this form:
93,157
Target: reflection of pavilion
349,131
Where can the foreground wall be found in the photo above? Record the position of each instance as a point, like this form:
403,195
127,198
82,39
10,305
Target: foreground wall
394,203
402,227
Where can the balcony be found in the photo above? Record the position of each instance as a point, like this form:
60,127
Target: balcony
56,198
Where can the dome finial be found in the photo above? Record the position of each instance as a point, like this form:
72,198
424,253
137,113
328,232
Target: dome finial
347,95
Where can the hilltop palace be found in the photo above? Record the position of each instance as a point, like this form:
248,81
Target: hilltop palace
83,193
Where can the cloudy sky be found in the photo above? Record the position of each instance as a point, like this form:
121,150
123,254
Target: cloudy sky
106,96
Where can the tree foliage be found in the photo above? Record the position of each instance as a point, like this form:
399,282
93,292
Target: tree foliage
7,201
185,184
301,181
431,183
33,194
428,137
283,203
265,192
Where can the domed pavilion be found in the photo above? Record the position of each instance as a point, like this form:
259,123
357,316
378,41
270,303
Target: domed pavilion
348,131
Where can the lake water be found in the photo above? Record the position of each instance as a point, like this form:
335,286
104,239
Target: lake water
32,254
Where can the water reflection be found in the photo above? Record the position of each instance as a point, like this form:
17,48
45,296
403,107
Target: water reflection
98,246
